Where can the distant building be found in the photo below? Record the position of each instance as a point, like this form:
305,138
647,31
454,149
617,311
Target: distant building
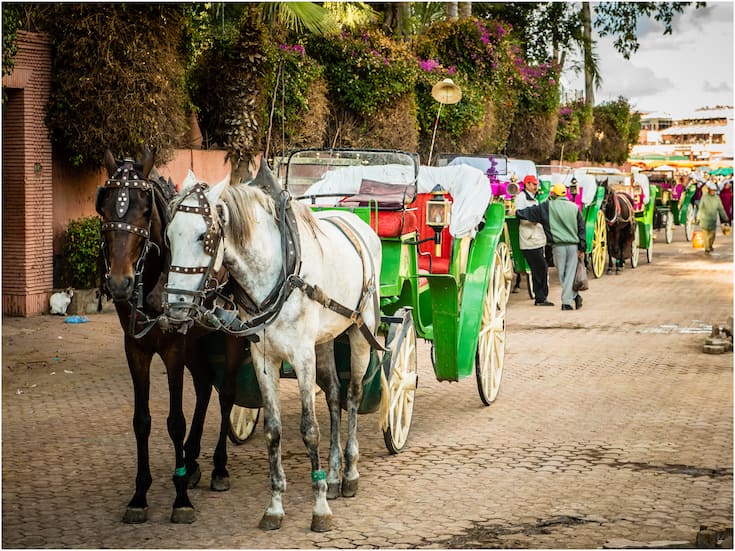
696,138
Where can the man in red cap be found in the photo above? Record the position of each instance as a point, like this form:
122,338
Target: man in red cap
532,240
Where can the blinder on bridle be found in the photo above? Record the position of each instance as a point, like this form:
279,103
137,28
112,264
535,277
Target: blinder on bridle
212,240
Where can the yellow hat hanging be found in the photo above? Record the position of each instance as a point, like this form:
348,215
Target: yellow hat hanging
446,92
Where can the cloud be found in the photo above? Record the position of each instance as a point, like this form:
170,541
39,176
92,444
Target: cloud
722,87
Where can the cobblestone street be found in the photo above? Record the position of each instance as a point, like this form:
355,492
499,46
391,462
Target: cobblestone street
611,424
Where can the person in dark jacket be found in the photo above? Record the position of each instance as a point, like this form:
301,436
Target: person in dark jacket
565,230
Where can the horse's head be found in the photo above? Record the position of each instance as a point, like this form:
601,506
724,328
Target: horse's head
194,234
126,204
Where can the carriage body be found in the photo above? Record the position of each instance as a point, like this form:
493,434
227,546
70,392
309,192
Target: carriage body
668,196
441,262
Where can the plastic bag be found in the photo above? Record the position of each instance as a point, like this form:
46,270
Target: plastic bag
580,278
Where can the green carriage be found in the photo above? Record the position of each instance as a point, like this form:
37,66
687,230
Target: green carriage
674,206
442,274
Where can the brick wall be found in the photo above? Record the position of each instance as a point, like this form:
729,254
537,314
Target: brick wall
27,247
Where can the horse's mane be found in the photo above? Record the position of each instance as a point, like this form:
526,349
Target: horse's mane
240,199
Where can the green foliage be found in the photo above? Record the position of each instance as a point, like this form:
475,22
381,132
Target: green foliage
365,70
572,119
299,71
81,251
122,92
616,129
11,24
479,57
539,85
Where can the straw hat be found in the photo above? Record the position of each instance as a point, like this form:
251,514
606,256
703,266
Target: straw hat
446,92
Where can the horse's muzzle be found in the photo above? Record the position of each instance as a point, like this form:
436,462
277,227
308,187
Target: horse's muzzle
121,288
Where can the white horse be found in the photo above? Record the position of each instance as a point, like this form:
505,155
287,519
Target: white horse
289,284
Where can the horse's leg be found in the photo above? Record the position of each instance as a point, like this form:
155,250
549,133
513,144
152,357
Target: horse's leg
359,359
304,362
326,377
233,358
173,359
203,388
139,362
267,374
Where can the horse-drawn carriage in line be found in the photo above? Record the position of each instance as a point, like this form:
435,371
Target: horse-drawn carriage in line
674,202
636,189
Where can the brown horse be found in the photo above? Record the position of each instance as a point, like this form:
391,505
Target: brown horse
134,219
621,224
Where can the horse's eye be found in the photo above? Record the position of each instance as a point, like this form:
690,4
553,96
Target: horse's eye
201,237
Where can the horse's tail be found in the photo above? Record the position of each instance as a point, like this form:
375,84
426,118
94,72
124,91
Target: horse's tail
384,408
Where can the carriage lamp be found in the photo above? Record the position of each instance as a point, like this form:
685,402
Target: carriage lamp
573,189
438,211
513,188
665,197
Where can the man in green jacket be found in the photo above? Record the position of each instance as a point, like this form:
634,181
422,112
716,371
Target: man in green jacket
564,228
710,207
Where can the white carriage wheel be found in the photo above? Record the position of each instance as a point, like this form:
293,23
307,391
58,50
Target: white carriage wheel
402,378
599,245
490,357
636,250
689,223
506,264
242,423
669,227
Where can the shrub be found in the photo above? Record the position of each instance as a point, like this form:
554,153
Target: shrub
81,251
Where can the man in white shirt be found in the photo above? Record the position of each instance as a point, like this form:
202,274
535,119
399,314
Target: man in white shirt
532,239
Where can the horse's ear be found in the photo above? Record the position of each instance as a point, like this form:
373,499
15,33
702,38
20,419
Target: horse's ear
214,194
189,181
110,163
147,162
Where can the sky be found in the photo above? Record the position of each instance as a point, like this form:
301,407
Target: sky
676,73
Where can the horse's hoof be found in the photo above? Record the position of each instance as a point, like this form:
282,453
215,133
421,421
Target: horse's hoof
182,515
194,478
321,523
135,515
270,522
333,490
220,483
349,487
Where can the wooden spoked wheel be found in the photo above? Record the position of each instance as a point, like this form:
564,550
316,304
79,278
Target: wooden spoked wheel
243,422
490,356
689,222
399,365
636,250
599,245
506,263
649,251
669,228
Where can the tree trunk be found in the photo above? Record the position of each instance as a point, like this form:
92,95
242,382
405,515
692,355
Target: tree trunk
452,11
589,89
465,10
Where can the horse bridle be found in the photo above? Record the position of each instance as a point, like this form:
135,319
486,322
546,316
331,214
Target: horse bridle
125,179
211,285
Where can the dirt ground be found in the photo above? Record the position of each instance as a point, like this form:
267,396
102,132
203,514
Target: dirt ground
611,425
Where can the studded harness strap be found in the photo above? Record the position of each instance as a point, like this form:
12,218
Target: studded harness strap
125,178
212,240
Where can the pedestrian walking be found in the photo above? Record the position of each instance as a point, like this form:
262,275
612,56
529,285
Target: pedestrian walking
532,240
710,207
564,228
